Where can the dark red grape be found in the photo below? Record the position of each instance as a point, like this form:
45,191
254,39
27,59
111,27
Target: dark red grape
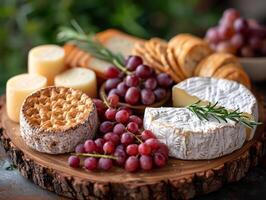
108,147
90,146
136,119
122,116
147,97
145,162
164,80
255,43
80,148
113,100
99,144
241,25
120,147
246,51
159,159
160,94
106,126
144,149
132,62
132,80
121,157
237,40
113,137
225,32
112,72
132,95
122,89
212,35
143,71
105,163
132,149
132,127
111,83
73,161
150,83
153,143
132,164
119,129
90,163
110,114
100,106
147,134
127,138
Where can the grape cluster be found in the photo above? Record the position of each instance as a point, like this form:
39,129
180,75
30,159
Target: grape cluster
139,85
239,36
123,143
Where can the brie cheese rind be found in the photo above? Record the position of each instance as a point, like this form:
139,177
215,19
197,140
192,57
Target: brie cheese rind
190,138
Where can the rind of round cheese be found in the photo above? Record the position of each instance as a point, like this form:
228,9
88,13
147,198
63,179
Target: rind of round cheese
56,119
80,79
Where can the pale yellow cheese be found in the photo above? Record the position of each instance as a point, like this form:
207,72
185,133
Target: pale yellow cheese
78,78
18,88
46,60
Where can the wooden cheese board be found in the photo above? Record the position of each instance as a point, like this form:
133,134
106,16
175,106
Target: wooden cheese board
178,180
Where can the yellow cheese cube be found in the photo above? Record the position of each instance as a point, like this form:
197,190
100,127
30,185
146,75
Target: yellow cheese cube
46,60
78,78
18,88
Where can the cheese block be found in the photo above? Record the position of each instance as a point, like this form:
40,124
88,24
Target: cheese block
55,120
190,138
18,88
46,60
78,78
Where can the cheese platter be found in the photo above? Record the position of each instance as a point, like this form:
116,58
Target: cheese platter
112,116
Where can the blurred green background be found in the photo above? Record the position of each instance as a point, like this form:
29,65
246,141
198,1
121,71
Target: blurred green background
27,23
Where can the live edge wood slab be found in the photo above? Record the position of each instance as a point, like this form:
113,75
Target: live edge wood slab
178,180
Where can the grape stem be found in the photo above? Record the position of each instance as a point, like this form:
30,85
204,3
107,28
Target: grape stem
139,140
95,155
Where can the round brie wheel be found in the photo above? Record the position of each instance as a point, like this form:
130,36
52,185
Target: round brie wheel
55,120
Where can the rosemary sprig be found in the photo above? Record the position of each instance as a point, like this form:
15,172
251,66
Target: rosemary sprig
220,113
87,42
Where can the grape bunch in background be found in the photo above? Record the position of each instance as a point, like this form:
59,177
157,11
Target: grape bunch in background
139,85
237,35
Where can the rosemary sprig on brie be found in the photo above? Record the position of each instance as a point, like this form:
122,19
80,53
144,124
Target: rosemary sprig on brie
220,113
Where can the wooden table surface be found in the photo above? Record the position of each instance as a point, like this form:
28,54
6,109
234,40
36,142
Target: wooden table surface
15,187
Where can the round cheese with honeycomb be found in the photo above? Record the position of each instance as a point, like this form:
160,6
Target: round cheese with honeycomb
191,138
56,119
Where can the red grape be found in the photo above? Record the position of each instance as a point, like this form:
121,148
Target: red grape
113,91
100,106
108,147
143,71
246,51
121,157
153,143
119,129
163,149
132,127
122,116
147,134
237,41
164,80
127,138
160,93
106,126
132,62
132,149
132,164
90,163
99,144
231,14
113,137
113,100
111,83
132,95
241,25
225,47
159,159
122,89
105,163
225,32
147,97
212,35
145,162
132,80
110,114
80,148
255,42
112,72
150,83
120,147
126,109
136,119
144,149
73,161
90,146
